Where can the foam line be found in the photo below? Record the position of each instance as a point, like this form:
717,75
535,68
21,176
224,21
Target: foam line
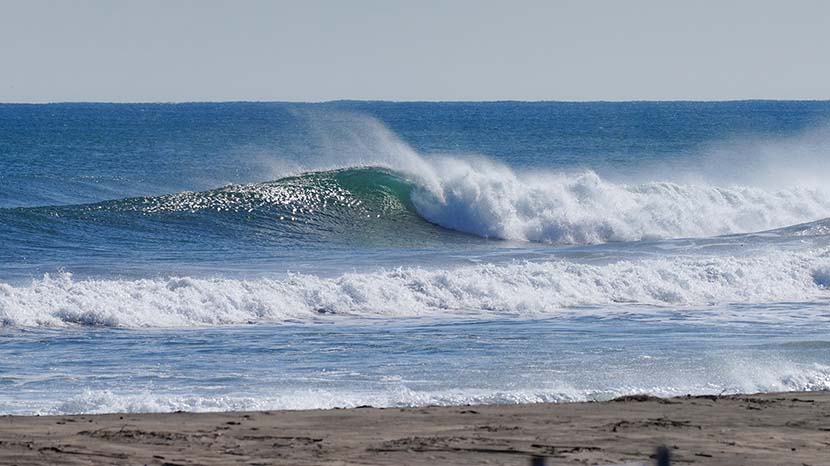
518,288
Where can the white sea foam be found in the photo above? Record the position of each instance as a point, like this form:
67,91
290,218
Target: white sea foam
747,378
492,201
517,288
106,401
484,198
776,376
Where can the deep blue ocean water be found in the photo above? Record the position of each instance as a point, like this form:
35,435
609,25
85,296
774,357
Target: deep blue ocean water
204,256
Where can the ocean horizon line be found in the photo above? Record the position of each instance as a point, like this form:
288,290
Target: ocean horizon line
385,101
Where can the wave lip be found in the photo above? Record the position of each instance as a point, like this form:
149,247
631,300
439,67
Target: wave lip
518,288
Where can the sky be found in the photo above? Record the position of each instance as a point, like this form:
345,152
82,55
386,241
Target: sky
314,50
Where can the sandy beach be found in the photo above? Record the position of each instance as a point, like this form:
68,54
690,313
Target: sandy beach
766,429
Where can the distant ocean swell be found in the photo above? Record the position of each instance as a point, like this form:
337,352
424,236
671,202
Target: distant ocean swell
517,288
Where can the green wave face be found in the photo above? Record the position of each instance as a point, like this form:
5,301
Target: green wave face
356,205
350,192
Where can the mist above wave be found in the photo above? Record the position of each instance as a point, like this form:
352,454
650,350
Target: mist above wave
366,172
482,197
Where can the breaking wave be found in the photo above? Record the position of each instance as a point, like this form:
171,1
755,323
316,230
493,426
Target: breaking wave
750,377
583,208
371,186
480,199
517,288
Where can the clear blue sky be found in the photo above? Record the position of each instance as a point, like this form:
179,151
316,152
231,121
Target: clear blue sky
314,50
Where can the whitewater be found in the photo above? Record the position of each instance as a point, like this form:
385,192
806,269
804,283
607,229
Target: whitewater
523,288
560,252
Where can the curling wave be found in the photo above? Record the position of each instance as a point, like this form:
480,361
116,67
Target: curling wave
481,199
493,201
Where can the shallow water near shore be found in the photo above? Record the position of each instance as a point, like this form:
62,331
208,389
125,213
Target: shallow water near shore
412,362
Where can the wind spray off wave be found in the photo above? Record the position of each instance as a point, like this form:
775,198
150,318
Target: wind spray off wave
382,188
482,197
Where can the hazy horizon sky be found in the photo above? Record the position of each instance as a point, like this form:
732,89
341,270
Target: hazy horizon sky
174,50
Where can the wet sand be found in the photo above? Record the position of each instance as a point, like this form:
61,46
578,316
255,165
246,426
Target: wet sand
768,429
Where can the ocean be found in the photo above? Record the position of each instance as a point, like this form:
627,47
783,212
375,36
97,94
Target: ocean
245,256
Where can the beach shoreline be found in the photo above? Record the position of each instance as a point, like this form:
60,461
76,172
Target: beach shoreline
759,429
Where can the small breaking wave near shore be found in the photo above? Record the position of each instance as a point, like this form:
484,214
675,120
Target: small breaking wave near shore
758,377
516,288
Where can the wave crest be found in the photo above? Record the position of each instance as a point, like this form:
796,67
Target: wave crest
484,200
583,208
519,288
